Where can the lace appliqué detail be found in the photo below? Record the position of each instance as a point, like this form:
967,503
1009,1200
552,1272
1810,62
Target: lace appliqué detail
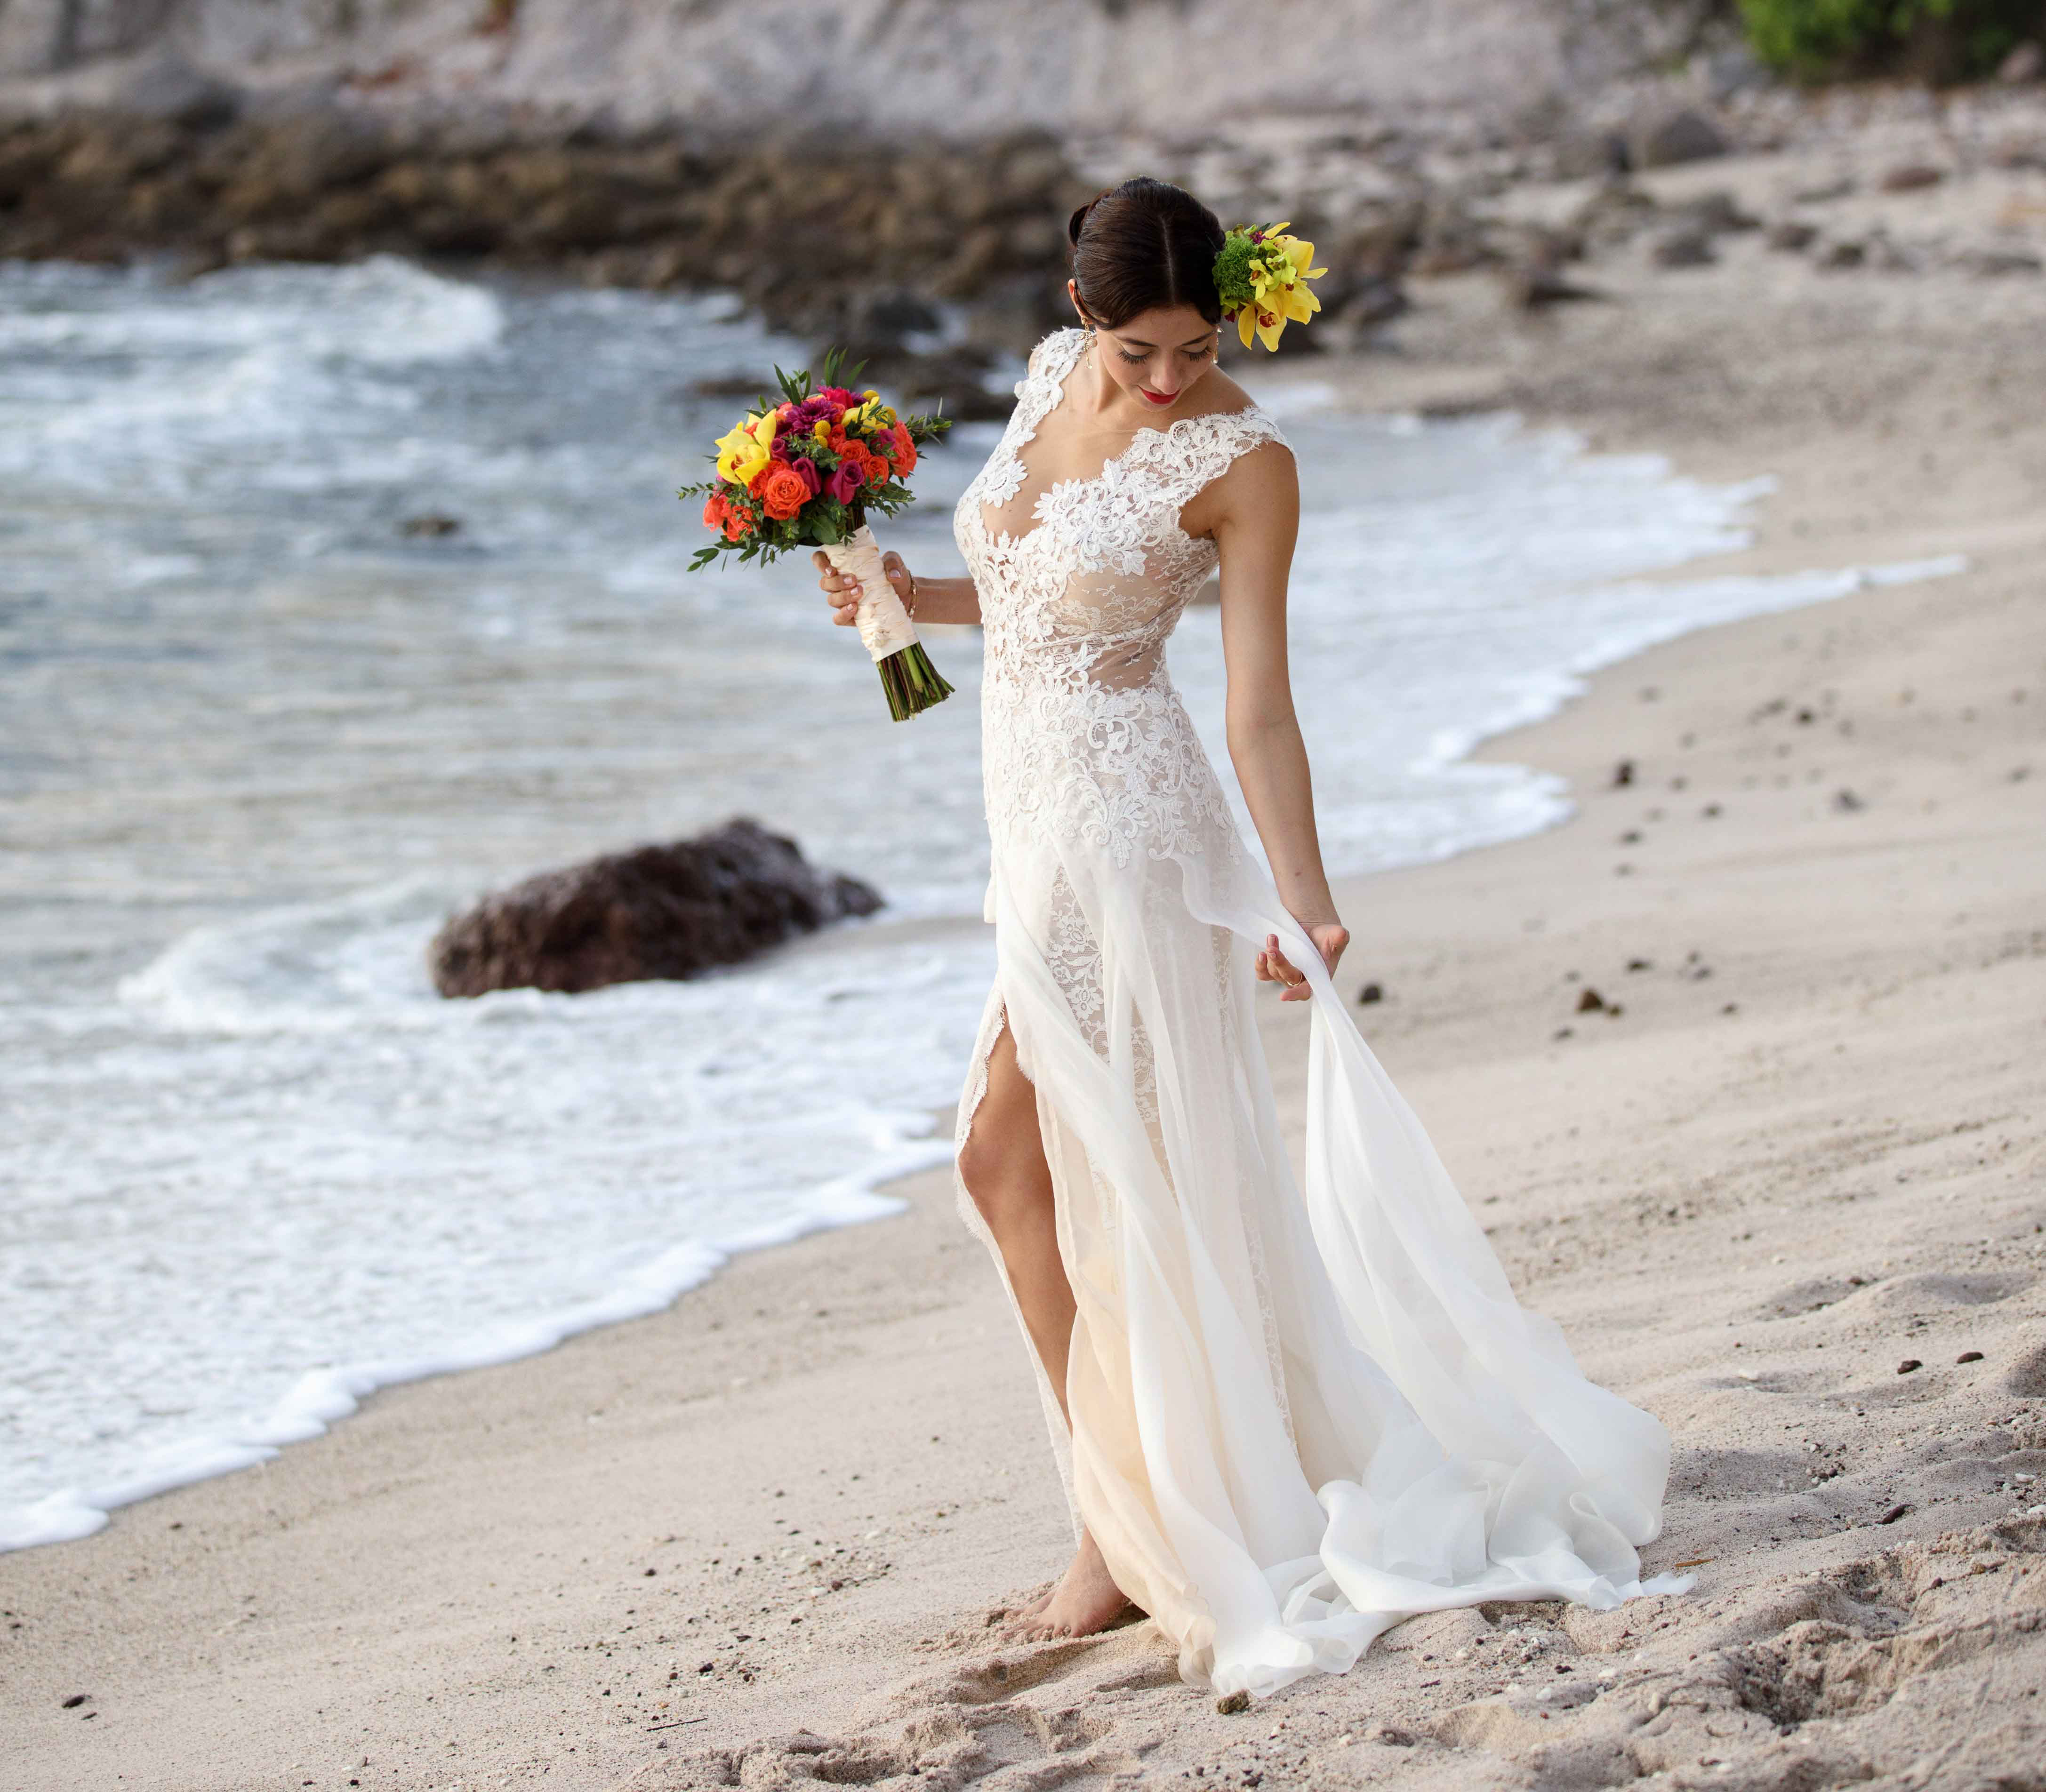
1082,732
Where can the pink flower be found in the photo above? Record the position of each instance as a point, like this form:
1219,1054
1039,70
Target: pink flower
848,478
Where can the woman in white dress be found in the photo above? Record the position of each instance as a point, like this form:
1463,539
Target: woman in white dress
1288,1416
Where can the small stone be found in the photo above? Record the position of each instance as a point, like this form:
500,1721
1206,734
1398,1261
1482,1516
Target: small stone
1233,1703
1791,235
1690,248
1847,802
1389,1735
1590,1001
1892,1515
1969,1356
1684,136
1371,993
1909,1365
1623,773
430,524
2026,63
1911,176
1563,1033
1639,964
75,1701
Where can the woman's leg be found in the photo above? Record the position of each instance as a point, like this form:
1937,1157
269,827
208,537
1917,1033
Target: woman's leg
1003,1164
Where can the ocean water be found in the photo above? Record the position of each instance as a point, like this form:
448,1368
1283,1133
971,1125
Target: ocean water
257,741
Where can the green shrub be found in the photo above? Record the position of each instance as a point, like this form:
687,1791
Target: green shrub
1944,38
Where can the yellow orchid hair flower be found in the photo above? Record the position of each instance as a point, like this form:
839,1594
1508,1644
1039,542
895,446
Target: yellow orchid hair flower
1260,276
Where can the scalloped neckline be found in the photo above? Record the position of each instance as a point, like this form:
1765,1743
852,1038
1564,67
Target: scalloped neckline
1014,453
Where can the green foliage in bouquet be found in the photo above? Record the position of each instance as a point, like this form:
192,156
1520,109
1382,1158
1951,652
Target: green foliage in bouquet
1949,39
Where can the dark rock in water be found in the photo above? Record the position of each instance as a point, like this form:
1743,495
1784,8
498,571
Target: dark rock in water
1684,136
730,386
657,912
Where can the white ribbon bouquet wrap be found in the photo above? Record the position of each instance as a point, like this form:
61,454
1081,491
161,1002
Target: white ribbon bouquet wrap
884,624
805,472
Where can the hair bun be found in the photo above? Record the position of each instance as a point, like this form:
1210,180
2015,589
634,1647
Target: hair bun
1078,221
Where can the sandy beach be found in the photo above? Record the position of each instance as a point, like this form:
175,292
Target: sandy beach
1739,1067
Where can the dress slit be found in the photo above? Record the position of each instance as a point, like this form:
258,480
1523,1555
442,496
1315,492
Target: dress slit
994,1024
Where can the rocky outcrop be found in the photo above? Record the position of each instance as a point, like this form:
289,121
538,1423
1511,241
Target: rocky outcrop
806,235
657,912
954,68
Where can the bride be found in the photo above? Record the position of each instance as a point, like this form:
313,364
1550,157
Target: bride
1288,1414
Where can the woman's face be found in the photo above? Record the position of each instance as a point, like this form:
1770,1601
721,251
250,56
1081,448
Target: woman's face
1156,356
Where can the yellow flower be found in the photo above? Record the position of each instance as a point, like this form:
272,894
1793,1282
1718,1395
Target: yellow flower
820,433
1277,275
745,448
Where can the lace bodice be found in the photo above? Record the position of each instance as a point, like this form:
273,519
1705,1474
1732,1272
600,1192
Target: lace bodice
1083,733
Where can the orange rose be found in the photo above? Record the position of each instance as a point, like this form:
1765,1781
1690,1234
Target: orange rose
738,525
906,451
783,491
878,471
838,440
714,510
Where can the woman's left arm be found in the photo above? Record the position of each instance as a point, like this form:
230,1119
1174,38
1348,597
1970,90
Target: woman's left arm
1256,521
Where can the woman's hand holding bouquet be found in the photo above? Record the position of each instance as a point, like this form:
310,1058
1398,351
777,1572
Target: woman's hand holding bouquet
805,473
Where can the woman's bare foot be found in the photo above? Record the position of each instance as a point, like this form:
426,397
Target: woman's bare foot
1085,1600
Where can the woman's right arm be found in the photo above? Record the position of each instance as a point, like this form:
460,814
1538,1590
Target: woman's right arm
937,600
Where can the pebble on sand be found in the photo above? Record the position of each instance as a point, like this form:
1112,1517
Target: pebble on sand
1909,1365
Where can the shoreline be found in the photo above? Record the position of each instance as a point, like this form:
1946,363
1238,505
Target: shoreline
319,1398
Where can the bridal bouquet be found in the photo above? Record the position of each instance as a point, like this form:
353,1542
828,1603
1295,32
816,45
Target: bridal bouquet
806,472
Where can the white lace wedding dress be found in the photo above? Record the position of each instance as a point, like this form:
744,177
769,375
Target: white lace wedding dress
1298,1415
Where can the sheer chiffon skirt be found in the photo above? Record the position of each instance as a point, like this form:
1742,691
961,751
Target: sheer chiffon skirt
1298,1414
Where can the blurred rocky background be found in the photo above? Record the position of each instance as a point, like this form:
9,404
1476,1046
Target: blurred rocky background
895,174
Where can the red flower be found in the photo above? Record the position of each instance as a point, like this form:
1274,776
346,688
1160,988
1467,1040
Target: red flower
714,510
850,476
738,525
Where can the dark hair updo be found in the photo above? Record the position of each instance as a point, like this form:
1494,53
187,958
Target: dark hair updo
1145,245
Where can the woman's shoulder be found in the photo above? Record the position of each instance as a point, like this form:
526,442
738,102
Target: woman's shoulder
1237,418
